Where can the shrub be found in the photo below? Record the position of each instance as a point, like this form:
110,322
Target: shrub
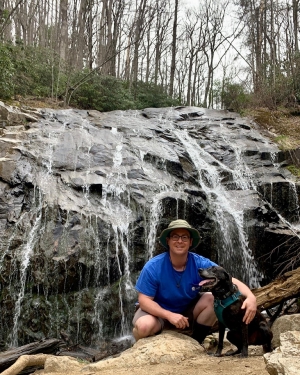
37,71
150,95
7,71
107,93
101,93
231,95
29,71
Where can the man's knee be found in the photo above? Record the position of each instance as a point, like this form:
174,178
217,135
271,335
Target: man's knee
146,327
208,299
204,310
142,328
206,302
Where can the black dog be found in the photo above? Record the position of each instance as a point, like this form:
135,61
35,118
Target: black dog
228,303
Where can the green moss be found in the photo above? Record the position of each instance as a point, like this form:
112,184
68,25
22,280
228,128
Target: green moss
285,142
82,361
294,170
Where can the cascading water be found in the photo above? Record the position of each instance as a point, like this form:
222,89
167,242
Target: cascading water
86,194
25,254
231,233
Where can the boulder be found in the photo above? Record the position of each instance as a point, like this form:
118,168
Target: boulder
168,347
283,324
285,360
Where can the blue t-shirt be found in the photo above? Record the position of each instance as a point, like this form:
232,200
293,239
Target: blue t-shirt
158,279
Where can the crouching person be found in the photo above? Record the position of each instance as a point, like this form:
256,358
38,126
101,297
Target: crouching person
168,288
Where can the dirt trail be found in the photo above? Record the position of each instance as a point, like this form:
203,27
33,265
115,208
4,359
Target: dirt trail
202,365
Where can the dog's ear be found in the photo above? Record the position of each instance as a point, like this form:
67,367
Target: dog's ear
227,276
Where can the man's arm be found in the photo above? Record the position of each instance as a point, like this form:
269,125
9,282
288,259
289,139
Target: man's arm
250,301
147,304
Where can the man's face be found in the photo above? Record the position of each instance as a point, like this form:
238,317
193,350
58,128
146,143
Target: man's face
179,241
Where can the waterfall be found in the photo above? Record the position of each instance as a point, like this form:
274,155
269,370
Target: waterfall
83,205
25,255
231,233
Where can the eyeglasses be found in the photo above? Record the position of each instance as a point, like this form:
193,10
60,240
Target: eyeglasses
184,238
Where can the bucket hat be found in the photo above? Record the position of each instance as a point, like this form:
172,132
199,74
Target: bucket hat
179,224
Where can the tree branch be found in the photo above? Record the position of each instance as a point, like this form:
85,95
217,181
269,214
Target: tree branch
26,361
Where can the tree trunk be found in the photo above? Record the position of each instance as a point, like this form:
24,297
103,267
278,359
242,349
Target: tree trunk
174,50
140,27
282,289
80,35
295,23
63,47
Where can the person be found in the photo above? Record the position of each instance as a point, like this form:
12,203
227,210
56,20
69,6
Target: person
168,288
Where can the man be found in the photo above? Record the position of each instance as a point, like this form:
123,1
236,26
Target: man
168,287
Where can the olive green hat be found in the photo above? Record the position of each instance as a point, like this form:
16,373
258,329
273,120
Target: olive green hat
179,224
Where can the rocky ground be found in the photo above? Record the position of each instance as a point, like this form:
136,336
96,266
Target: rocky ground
201,364
168,353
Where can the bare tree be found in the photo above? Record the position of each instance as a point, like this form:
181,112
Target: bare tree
139,30
174,49
295,6
213,16
63,21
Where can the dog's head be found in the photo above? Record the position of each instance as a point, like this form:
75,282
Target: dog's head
216,280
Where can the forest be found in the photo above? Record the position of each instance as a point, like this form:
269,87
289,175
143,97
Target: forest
130,54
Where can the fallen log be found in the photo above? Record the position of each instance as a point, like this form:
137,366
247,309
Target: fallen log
46,346
282,289
26,361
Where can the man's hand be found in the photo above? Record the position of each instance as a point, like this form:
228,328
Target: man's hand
178,320
249,303
250,306
153,308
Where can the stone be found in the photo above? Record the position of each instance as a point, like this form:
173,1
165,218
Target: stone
168,347
13,116
285,360
283,324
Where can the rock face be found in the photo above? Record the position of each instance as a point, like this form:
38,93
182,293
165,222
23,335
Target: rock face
283,324
285,360
84,196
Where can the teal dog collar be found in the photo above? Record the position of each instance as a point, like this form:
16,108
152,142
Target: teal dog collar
220,305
